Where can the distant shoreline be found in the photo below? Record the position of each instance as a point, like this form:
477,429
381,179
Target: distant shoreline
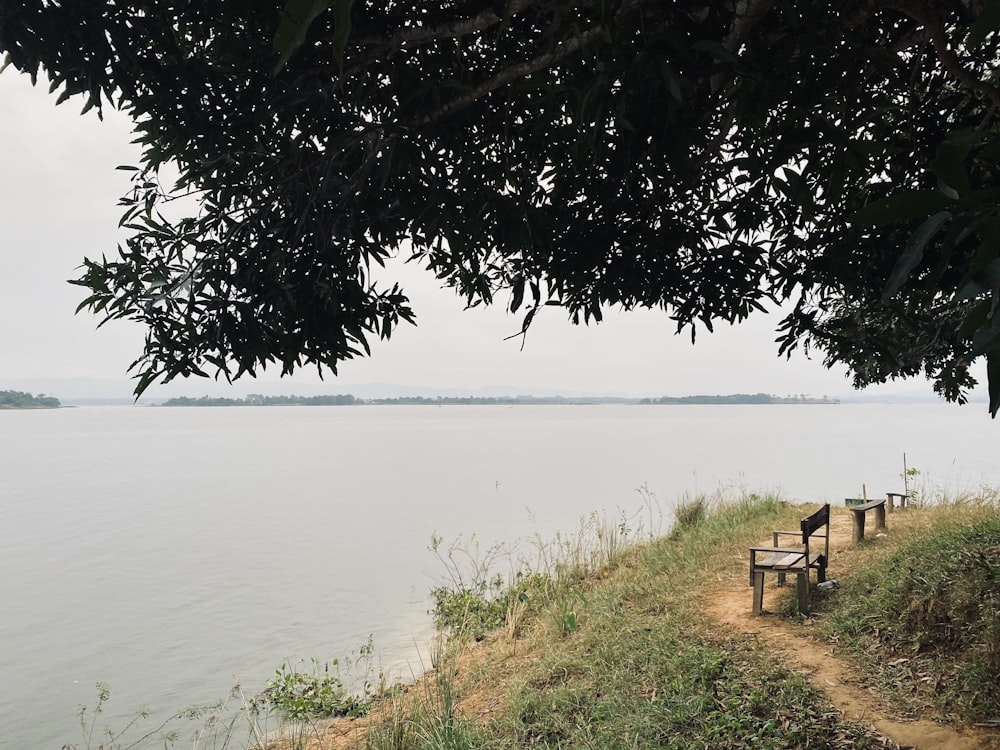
350,400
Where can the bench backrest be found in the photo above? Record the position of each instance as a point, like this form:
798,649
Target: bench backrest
813,523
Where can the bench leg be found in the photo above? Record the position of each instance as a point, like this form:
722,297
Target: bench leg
758,592
858,532
803,591
777,543
880,517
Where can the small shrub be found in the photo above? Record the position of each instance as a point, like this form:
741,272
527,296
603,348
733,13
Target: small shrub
300,696
489,607
475,613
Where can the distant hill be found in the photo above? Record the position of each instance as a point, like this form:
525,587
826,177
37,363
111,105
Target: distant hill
21,400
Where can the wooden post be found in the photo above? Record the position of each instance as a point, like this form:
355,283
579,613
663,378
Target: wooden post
906,481
880,517
803,590
858,530
758,592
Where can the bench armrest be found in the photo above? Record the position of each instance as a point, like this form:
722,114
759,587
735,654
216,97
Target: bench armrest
776,534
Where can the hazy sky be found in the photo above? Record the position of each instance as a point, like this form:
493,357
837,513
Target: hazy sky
58,195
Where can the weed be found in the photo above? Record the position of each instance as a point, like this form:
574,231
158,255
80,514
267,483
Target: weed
211,722
909,476
566,615
302,695
688,513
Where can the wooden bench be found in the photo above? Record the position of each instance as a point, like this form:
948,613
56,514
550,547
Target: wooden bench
796,560
891,496
858,513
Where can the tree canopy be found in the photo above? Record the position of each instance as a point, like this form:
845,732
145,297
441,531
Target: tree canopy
707,158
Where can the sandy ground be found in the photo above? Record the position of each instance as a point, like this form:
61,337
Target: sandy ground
731,604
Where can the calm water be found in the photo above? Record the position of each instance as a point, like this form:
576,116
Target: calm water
173,552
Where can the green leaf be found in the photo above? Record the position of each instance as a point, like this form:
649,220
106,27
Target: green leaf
988,21
714,48
949,161
914,252
296,19
993,378
341,28
985,340
975,319
911,204
517,293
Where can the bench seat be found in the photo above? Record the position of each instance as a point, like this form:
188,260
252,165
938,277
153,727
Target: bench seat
858,513
896,496
795,560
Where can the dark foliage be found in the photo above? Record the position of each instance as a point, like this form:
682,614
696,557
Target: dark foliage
706,158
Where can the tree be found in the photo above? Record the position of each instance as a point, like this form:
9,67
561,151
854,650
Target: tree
705,158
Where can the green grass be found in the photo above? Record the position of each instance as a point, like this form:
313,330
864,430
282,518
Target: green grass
621,656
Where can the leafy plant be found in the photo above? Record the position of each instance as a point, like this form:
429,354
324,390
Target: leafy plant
908,475
567,620
299,695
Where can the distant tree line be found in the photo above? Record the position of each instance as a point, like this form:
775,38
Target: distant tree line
20,400
498,400
255,399
349,400
741,398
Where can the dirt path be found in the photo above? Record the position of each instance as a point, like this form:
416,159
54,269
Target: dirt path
730,605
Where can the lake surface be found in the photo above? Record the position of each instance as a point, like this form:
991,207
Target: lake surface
175,552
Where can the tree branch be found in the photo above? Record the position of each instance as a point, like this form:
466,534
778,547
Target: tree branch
942,46
514,72
527,67
451,29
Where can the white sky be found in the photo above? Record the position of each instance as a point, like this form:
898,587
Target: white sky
58,195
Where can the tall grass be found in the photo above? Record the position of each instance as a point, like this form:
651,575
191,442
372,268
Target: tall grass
495,588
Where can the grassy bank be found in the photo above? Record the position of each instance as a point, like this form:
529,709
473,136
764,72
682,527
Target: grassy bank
602,640
620,655
921,616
